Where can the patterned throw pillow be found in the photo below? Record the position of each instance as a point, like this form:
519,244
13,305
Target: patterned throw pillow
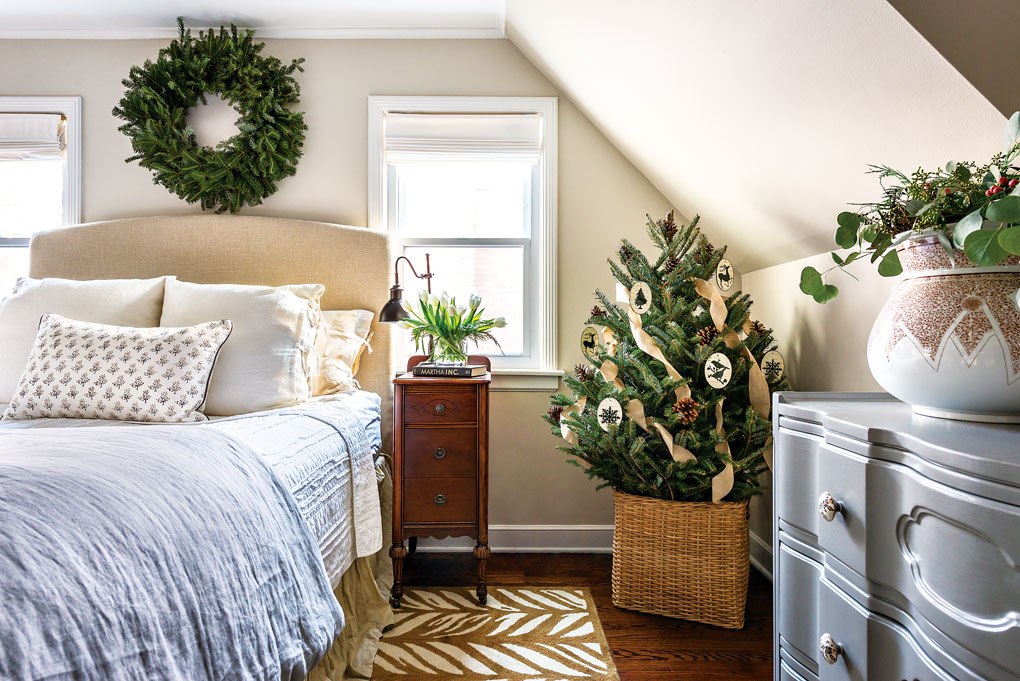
82,370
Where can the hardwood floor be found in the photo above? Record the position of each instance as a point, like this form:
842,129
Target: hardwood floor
645,647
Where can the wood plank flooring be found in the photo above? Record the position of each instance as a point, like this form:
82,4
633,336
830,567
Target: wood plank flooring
645,647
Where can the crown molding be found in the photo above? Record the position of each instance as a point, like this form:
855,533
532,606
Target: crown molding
496,32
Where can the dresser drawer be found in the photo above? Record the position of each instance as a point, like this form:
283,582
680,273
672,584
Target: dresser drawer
440,453
446,405
440,500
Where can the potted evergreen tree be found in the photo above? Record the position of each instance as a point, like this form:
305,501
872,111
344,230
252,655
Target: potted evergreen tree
673,414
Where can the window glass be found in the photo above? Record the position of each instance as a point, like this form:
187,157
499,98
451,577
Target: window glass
31,197
494,273
464,199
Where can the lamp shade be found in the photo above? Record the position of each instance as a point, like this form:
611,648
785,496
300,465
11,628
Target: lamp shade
393,310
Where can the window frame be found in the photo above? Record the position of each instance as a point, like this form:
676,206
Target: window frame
536,369
70,109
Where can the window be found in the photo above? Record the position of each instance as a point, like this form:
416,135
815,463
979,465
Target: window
472,182
40,145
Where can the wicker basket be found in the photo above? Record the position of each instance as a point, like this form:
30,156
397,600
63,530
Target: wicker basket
681,559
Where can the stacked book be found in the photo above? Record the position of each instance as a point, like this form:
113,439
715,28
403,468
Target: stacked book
449,370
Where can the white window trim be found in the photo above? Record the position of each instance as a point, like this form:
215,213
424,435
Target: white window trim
545,377
70,108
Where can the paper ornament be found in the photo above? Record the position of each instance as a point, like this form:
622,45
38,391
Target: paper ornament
724,275
718,370
640,297
773,366
609,413
591,343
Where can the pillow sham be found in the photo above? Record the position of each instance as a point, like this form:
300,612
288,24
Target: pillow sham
264,364
83,370
343,336
121,302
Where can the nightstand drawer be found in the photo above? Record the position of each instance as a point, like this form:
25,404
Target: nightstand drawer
449,405
440,500
440,452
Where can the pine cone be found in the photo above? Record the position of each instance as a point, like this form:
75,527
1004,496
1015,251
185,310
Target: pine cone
758,328
555,412
597,312
583,372
626,253
670,265
669,226
707,334
687,409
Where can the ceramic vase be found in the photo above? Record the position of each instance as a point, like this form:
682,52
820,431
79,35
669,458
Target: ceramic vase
947,341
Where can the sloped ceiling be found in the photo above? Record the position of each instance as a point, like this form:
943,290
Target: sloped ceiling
759,116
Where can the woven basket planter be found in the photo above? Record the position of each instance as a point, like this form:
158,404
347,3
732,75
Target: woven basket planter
682,559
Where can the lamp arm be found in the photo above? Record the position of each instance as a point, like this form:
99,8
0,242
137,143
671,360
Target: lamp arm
428,270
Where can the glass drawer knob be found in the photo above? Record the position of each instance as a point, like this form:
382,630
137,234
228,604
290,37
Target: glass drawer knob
440,408
828,507
440,453
440,499
829,649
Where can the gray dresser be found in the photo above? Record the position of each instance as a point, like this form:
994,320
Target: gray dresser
897,542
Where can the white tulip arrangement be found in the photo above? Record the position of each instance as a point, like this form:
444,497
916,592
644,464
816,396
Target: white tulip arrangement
449,326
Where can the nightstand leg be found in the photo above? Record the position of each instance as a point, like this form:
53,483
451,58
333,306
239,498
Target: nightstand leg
482,555
397,553
412,545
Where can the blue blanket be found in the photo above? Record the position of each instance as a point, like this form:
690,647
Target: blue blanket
154,553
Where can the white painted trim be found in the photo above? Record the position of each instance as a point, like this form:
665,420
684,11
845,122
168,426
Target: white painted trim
761,556
526,380
532,539
497,32
379,106
70,108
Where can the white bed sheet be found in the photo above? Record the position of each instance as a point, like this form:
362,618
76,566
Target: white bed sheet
323,451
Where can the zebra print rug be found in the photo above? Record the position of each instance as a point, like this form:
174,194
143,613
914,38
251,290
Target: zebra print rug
521,634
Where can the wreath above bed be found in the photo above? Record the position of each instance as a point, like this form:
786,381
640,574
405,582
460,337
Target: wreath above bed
243,169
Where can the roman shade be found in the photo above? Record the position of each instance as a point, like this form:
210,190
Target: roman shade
32,136
411,137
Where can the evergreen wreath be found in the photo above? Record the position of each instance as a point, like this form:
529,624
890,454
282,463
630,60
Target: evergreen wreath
243,169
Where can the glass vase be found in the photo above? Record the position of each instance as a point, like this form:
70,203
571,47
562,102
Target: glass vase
448,353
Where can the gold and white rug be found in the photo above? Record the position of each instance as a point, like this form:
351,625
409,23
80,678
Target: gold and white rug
521,634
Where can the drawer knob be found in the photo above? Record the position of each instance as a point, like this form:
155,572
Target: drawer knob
440,499
828,507
829,649
440,408
440,453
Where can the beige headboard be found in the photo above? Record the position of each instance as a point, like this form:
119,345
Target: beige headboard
353,263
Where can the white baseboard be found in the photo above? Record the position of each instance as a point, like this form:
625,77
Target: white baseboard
533,539
761,556
566,539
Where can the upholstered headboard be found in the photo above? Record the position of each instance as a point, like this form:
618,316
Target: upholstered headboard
353,263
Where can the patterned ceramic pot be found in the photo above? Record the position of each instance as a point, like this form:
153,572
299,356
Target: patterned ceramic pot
947,341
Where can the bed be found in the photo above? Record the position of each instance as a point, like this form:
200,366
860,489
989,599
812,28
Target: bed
305,480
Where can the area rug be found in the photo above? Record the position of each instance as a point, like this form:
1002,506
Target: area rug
521,634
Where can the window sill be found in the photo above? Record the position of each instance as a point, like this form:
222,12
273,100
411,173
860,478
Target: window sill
523,380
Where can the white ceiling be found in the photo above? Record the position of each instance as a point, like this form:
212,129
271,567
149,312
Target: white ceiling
760,116
272,18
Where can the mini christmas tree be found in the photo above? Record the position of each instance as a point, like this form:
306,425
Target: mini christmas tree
687,373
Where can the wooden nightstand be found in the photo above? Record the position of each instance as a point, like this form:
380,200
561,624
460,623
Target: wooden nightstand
440,465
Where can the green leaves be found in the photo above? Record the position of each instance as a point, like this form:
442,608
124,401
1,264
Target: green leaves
890,265
1009,239
1011,132
964,227
1004,210
983,247
811,283
846,233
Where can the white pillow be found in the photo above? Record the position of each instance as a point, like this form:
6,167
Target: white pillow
264,363
121,302
343,336
82,370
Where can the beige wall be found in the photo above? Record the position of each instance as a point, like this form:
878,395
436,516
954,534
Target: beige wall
601,198
825,346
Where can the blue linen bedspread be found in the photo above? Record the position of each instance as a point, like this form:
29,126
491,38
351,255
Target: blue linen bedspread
154,553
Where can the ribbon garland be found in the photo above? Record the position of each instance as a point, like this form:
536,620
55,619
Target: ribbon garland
723,482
